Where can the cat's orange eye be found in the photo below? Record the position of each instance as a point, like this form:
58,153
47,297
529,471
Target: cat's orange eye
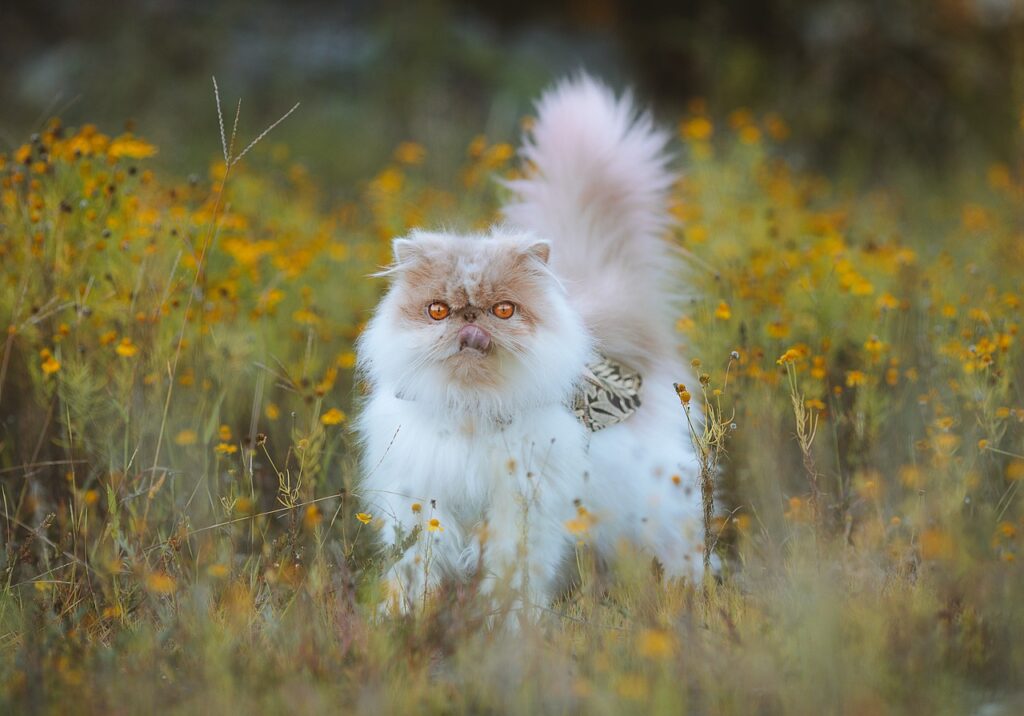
438,311
505,309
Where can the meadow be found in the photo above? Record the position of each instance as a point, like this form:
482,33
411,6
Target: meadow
183,528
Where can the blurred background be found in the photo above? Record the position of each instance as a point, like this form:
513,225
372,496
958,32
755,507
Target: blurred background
866,86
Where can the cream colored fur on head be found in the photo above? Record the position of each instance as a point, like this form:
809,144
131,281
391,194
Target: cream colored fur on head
468,420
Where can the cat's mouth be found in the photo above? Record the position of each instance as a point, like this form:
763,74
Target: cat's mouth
473,337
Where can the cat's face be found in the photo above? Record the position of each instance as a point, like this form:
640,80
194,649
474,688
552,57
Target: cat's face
474,319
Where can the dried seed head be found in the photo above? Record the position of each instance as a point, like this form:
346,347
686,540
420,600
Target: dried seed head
683,393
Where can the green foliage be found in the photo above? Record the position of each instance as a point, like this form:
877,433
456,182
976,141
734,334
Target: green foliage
182,524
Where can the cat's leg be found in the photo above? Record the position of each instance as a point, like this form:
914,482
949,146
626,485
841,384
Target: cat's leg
427,547
408,580
522,547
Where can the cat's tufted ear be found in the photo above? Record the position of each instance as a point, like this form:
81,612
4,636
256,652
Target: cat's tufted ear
405,250
538,249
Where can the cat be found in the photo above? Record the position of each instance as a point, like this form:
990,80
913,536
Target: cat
520,380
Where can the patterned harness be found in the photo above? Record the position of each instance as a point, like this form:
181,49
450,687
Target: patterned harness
608,394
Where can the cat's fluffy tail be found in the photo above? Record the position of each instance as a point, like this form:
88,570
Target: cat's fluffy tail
596,186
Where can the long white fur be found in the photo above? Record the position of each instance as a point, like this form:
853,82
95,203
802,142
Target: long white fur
597,189
503,472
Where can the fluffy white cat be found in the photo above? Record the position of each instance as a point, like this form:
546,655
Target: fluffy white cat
502,418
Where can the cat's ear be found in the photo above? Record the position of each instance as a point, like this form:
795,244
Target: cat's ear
538,249
405,250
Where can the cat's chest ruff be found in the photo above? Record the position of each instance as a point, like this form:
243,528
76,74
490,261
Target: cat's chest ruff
469,455
608,393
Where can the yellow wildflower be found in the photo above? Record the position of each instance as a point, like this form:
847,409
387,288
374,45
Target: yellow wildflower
936,544
364,517
410,153
226,449
888,302
790,356
581,523
313,517
50,365
655,644
632,686
1015,470
244,506
697,129
776,126
305,317
434,525
161,583
874,346
130,147
387,182
777,329
186,437
750,135
498,154
332,417
855,378
126,349
723,312
685,324
798,510
696,234
218,571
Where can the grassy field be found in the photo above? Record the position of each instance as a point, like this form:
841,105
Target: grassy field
182,523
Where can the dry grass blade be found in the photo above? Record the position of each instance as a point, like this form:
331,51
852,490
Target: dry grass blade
220,120
264,133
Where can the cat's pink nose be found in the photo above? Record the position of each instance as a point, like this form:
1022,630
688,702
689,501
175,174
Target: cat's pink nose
473,336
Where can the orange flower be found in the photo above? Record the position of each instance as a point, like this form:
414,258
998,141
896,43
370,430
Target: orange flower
410,153
126,349
697,129
655,644
332,417
50,365
1015,470
129,147
855,378
161,583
